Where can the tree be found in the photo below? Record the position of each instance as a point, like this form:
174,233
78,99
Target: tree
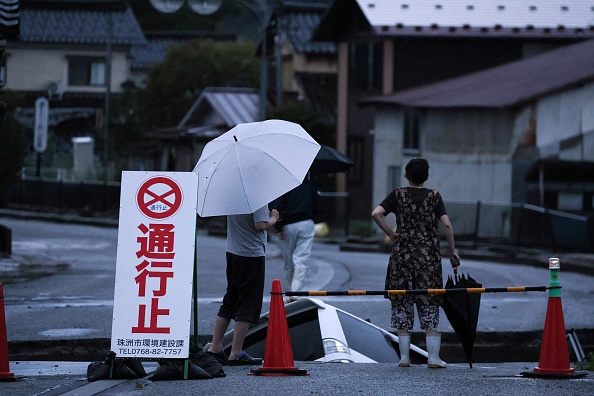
313,122
12,151
177,82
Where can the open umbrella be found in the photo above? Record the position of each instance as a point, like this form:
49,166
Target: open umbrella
462,310
330,160
252,164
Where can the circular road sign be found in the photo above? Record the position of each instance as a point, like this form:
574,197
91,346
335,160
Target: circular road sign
159,197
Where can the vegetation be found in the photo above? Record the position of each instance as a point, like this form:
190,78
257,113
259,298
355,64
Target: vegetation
12,146
314,123
177,82
587,364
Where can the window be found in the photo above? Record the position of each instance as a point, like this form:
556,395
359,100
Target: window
86,71
365,66
411,135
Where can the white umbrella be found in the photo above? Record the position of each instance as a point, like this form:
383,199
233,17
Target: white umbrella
251,165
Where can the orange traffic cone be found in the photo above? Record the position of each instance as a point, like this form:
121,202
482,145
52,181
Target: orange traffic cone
554,353
5,374
278,354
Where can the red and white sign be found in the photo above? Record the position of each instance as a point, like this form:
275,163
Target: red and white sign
155,262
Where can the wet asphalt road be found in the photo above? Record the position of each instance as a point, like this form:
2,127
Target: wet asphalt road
73,300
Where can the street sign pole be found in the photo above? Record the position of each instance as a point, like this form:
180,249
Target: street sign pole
40,132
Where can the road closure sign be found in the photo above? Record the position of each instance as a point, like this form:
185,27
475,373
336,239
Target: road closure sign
154,268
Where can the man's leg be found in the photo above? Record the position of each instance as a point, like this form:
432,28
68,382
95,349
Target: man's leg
220,328
302,253
240,329
287,247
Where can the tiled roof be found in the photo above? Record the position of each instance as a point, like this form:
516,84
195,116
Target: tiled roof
9,17
300,27
516,18
79,22
502,86
195,132
234,105
148,54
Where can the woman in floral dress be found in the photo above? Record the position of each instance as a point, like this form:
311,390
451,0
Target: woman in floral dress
415,261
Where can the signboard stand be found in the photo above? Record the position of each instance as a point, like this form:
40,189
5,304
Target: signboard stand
195,296
155,269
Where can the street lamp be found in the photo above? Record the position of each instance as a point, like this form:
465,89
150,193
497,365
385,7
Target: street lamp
208,7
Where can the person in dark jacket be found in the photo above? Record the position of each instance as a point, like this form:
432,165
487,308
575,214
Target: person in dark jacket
296,229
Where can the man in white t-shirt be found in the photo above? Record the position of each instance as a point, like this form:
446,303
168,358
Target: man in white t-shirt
246,245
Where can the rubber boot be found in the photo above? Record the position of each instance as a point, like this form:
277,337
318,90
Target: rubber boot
433,346
404,344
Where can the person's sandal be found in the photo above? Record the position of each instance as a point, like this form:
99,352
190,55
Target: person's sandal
218,356
243,359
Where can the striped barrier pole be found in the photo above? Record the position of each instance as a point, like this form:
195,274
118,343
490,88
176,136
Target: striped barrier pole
469,290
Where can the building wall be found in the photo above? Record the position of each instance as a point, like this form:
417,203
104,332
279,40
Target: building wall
294,62
469,152
483,154
32,68
565,123
387,147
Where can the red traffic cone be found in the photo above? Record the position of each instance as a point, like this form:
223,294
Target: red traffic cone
278,354
554,354
5,374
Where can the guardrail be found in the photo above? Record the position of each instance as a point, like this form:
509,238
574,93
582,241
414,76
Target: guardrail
517,223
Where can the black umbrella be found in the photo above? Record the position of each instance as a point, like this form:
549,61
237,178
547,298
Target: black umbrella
462,310
330,160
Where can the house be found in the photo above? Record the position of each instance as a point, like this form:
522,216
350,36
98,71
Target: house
76,54
387,46
519,132
308,67
9,28
214,112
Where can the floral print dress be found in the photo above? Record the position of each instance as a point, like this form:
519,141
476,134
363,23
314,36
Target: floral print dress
415,261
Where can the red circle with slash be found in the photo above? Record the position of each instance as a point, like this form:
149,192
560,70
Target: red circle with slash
164,197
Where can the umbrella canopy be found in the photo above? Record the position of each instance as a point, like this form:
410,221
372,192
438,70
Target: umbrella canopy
462,310
251,165
330,160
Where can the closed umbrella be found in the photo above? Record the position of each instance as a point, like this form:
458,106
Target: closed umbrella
251,165
462,311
